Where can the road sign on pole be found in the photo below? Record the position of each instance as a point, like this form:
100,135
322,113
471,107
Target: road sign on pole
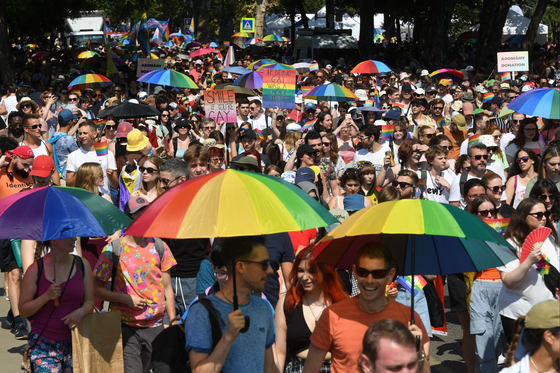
247,25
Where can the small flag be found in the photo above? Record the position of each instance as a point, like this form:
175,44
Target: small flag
440,122
376,98
405,281
474,138
308,125
368,103
100,124
101,148
487,97
210,69
387,131
191,27
306,89
422,186
313,66
259,134
524,77
143,37
398,105
506,77
226,43
499,225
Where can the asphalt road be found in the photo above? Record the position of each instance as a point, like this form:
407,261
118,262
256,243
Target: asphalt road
445,351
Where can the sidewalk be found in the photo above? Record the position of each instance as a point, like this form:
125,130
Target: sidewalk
11,350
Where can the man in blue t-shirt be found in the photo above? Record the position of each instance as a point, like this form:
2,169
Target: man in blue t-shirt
62,142
236,352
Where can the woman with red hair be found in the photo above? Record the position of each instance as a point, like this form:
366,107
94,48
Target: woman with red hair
312,287
216,161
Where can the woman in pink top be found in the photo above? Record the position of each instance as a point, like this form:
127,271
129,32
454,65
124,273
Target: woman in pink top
68,279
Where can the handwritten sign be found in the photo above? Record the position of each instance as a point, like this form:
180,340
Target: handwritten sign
145,65
220,105
279,88
513,61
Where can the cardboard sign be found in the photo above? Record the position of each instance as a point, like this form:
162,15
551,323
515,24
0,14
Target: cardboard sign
219,104
247,25
145,65
279,88
513,61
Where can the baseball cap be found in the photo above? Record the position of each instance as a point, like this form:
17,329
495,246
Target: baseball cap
198,62
505,86
480,89
305,174
172,105
460,121
420,91
66,115
135,204
469,68
158,89
249,133
293,127
43,165
23,151
393,115
142,94
310,106
305,149
123,129
444,82
543,315
406,87
354,202
431,89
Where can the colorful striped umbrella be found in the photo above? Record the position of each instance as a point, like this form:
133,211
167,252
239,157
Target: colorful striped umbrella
49,213
302,67
277,66
87,54
92,63
285,39
540,102
241,35
454,75
30,46
230,203
252,80
202,52
89,81
371,67
253,41
168,78
273,37
331,92
258,63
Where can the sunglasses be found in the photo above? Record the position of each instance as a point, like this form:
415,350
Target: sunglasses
448,148
539,215
497,137
63,93
26,106
113,127
551,197
326,144
463,169
209,128
165,115
376,273
491,213
181,127
493,149
166,182
264,264
431,93
217,159
517,120
230,128
149,170
438,108
497,189
34,127
481,156
522,159
400,184
428,135
73,99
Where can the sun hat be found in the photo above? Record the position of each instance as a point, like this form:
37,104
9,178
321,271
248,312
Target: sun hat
136,141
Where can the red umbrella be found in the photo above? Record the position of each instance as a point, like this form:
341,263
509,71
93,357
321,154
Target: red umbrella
193,44
201,52
40,54
371,67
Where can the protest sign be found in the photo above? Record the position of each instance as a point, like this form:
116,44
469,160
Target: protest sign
513,61
279,88
220,105
145,65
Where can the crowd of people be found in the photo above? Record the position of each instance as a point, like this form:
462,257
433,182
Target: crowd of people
450,143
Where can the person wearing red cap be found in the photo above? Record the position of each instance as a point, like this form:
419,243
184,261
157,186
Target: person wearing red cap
14,170
42,172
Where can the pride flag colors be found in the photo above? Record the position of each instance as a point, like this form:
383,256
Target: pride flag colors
487,96
419,283
313,66
308,125
440,122
499,225
506,77
387,131
369,103
398,105
474,138
101,148
260,135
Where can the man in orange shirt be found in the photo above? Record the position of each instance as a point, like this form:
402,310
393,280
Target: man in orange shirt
456,131
14,170
342,326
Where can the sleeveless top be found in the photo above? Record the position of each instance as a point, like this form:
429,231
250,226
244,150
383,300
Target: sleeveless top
298,334
178,152
40,150
71,299
519,192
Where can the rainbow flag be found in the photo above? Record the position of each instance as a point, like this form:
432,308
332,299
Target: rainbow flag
422,185
100,124
405,281
487,96
440,122
376,98
101,148
499,225
313,66
387,131
210,69
369,103
308,125
226,43
305,89
398,105
260,135
143,37
473,138
506,77
524,77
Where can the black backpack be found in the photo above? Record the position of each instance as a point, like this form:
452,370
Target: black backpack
168,348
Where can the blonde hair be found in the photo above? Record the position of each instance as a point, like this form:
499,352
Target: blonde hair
86,176
290,140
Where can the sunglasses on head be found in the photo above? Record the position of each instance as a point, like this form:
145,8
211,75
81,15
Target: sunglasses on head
376,273
480,156
539,215
149,170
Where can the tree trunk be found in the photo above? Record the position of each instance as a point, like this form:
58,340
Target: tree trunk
492,19
531,33
329,4
293,22
301,8
388,25
260,13
398,28
6,56
367,12
436,45
201,20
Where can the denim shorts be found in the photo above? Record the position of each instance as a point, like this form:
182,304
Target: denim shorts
420,306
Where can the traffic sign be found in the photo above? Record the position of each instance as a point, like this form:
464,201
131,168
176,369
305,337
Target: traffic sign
247,24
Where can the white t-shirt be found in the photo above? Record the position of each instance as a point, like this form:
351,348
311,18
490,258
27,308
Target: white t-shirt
435,192
505,140
464,147
532,290
446,98
260,123
522,366
10,104
80,156
375,158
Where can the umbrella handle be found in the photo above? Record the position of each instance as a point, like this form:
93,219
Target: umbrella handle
56,302
247,324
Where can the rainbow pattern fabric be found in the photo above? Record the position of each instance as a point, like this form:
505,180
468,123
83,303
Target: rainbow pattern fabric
398,105
369,103
405,281
387,131
308,125
313,66
260,135
506,77
440,122
422,186
474,138
487,96
499,225
101,148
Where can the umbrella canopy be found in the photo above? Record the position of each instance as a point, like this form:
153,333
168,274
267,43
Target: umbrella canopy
30,46
201,52
454,75
252,80
258,63
193,44
239,91
211,45
129,110
302,67
87,54
331,92
277,66
273,37
446,239
239,70
241,35
49,213
252,41
40,54
89,81
230,203
540,102
371,67
168,78
93,63
505,112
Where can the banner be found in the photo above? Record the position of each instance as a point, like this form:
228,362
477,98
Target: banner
279,88
513,61
219,104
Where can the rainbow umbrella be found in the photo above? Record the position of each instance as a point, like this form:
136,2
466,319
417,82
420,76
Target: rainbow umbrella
211,45
285,39
168,78
302,67
540,102
40,54
202,52
252,80
30,46
370,67
258,63
89,81
277,66
93,63
49,213
331,92
253,41
230,203
455,75
241,35
425,237
273,37
87,54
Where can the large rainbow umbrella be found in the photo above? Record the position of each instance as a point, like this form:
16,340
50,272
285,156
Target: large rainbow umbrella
455,75
168,78
89,81
273,37
252,80
331,92
241,35
277,66
370,67
540,102
93,63
230,203
49,213
424,237
87,54
258,63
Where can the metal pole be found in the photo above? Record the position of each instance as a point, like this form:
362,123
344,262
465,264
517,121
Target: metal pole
412,281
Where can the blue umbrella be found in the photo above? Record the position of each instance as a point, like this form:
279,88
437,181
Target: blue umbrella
239,70
541,102
168,78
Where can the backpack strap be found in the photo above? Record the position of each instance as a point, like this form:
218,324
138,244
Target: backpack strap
80,262
175,141
463,179
215,320
116,257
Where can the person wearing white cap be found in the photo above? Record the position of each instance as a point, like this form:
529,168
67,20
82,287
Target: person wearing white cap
197,71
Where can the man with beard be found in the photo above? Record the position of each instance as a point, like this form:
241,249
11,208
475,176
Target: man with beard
14,170
15,126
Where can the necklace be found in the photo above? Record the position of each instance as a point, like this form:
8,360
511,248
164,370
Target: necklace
313,313
379,310
241,304
537,369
